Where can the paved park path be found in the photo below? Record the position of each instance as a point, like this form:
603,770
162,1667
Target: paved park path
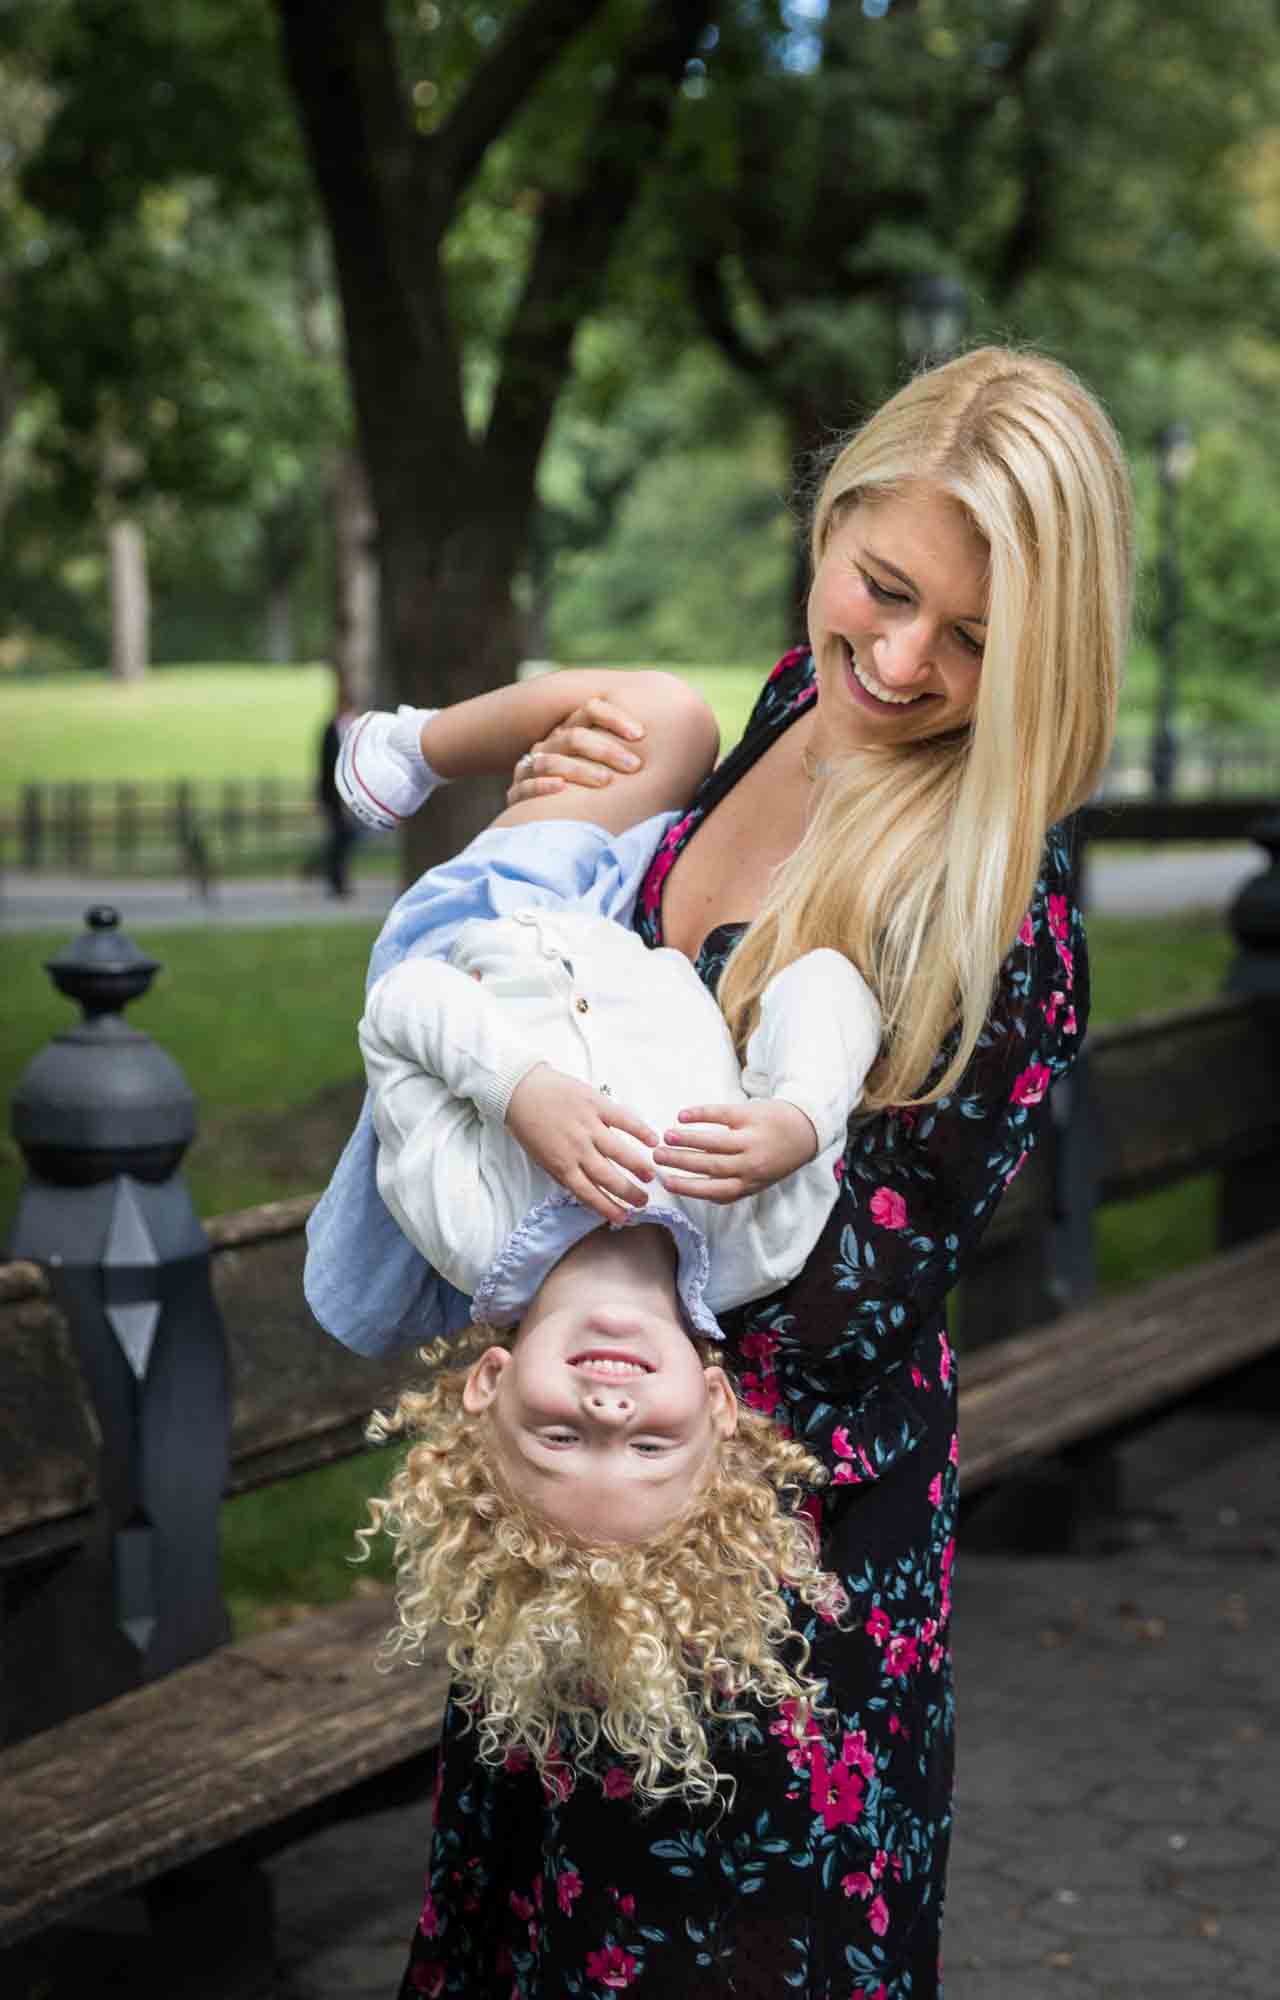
1118,1827
1149,884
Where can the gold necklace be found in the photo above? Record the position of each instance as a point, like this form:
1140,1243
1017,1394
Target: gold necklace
816,767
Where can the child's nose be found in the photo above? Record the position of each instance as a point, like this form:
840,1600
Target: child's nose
610,1406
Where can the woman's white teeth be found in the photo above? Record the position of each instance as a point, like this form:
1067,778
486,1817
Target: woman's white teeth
877,688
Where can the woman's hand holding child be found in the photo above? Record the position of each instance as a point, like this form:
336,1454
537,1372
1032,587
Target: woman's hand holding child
723,1152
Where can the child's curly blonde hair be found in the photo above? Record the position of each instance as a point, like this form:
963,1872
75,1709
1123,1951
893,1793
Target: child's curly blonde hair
640,1647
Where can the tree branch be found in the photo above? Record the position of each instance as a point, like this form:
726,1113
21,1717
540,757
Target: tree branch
1028,233
368,165
578,232
534,41
711,301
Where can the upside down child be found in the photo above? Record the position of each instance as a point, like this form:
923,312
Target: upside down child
561,1146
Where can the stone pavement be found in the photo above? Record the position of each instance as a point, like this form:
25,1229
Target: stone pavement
1143,884
1118,1829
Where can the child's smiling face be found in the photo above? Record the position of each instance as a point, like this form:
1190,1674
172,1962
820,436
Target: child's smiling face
605,1417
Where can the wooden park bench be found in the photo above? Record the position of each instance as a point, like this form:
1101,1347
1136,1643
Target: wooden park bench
174,1789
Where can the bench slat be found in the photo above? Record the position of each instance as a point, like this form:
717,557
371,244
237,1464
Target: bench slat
236,1742
1098,1366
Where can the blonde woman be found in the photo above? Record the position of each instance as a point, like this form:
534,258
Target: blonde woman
897,795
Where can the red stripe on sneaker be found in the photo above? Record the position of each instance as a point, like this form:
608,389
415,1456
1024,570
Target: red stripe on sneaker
368,791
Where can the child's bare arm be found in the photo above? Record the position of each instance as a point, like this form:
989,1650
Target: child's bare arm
654,739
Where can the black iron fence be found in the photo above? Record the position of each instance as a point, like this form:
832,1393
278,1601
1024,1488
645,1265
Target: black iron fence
205,828
1211,764
185,826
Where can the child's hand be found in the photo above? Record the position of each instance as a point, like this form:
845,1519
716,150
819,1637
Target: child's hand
721,1152
577,1135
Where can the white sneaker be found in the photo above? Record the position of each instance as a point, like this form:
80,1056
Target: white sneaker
381,773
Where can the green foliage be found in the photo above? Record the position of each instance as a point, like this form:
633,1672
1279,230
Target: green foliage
166,319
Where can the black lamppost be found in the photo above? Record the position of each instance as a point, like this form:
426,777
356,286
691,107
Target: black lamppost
1175,456
933,313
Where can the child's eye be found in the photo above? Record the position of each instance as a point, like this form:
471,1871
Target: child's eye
970,644
649,1446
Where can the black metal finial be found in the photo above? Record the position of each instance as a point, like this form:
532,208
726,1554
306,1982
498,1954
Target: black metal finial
102,969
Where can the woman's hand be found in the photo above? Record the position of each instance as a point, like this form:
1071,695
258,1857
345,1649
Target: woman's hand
721,1152
595,740
580,1137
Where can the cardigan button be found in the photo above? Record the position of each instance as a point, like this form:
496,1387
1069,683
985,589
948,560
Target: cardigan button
581,1006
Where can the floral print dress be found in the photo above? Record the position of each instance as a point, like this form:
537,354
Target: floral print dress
824,1878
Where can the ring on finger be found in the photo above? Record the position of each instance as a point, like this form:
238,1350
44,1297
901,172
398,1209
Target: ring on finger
525,768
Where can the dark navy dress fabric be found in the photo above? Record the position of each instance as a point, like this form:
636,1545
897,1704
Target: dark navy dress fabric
824,1878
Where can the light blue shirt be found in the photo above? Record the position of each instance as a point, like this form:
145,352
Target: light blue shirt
364,1281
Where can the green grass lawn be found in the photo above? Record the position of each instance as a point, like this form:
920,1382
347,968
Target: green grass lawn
214,722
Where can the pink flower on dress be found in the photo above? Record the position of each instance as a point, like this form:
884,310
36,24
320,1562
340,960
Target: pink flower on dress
661,865
1017,1167
429,1921
880,1863
627,1904
1031,1085
953,1452
935,1490
613,1967
878,1916
521,1906
944,1363
838,1170
1058,917
617,1782
568,1890
1070,1026
760,1392
1026,930
878,1626
854,1753
428,1979
1051,1005
902,1655
1066,959
858,1884
888,1208
517,1759
834,1791
789,659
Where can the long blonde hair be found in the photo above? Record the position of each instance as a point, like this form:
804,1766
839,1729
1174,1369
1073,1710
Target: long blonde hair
638,1649
919,862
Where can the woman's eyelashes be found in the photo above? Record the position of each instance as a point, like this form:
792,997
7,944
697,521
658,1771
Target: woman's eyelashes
883,595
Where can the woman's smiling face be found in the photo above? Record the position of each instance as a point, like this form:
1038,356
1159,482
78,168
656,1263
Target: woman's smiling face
897,621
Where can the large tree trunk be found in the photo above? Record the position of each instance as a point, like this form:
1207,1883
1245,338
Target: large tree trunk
451,621
453,508
355,582
130,599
